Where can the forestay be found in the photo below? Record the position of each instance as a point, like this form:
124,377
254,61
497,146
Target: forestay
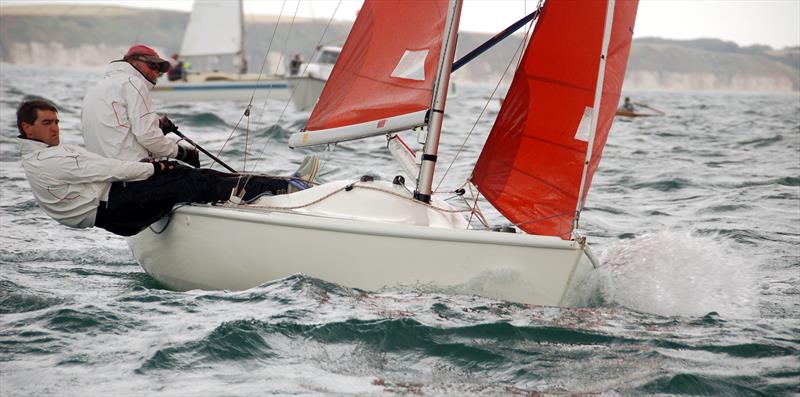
383,79
532,164
215,28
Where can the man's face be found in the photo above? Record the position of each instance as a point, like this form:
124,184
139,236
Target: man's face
147,69
44,129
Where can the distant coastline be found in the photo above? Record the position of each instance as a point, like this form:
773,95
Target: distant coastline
90,36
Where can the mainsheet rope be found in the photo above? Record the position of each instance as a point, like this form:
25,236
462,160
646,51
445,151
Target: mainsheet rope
348,187
249,106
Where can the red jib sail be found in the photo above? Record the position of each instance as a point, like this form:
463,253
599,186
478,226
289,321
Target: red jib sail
386,67
531,166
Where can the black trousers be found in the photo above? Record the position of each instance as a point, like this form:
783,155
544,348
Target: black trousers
132,206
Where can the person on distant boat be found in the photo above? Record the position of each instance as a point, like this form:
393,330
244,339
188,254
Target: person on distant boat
118,117
628,105
243,66
83,189
294,65
177,71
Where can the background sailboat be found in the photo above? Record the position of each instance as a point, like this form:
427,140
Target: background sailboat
311,76
213,44
536,168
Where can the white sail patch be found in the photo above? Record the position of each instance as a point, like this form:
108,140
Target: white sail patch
585,127
411,65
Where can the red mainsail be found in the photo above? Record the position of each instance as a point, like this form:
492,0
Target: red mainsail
387,65
531,166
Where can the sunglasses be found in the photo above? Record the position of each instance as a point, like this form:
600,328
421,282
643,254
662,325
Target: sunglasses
160,67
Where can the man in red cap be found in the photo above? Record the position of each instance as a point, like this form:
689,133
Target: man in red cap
118,117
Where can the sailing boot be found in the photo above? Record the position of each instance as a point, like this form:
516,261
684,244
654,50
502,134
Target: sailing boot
306,174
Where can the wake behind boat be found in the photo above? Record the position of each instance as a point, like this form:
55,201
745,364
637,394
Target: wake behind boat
535,168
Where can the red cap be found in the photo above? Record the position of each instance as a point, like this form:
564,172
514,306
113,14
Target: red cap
147,54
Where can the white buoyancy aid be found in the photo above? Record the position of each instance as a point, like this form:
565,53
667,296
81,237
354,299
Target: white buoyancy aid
69,182
119,120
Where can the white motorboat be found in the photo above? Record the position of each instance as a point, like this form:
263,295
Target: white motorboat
307,84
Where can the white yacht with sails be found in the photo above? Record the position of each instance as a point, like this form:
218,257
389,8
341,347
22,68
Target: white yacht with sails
535,168
213,44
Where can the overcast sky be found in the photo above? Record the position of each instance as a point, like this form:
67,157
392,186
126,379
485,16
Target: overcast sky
772,22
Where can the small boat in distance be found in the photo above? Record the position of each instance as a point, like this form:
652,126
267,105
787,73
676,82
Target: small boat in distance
625,113
629,109
214,43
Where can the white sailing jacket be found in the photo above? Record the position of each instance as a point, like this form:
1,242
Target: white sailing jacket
69,182
119,120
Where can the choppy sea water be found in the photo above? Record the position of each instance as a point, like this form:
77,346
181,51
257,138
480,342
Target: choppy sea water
695,216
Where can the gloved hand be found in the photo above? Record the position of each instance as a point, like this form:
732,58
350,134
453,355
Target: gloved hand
189,156
166,125
163,166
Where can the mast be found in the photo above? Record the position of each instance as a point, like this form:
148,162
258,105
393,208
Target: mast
242,60
598,97
429,155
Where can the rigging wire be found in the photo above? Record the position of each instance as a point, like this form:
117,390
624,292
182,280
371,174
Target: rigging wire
351,186
246,138
280,59
288,102
266,54
475,210
269,92
246,113
485,106
249,106
319,43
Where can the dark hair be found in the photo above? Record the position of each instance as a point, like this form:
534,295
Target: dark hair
26,112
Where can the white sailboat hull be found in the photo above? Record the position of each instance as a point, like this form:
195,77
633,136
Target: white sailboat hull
233,248
239,90
305,91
